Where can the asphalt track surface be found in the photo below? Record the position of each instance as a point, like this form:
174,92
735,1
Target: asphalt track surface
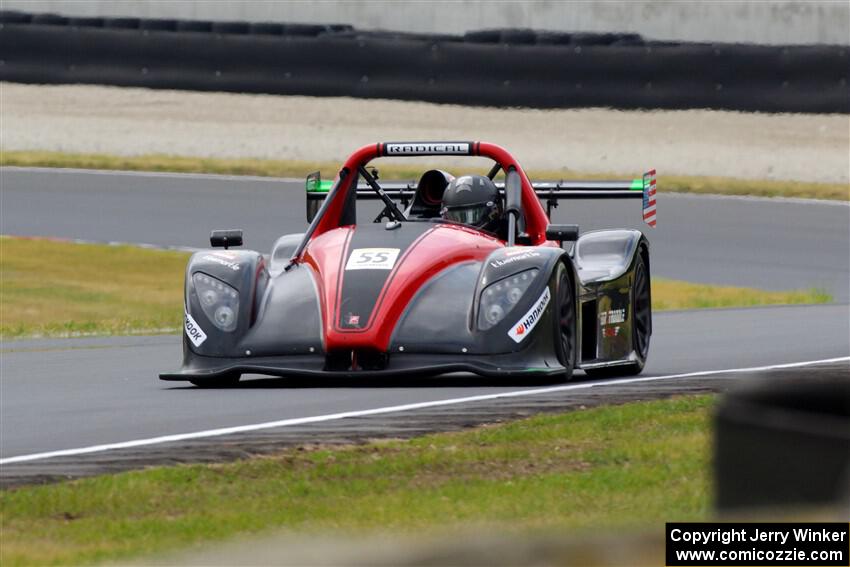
60,395
768,244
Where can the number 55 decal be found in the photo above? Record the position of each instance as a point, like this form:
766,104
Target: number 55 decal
372,259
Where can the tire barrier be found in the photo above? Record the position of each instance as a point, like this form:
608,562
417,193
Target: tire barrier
784,442
488,68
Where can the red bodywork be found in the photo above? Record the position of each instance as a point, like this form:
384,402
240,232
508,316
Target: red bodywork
442,246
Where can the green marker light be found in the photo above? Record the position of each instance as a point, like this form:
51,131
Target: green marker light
316,185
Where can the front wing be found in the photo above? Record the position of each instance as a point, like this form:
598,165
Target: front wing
528,363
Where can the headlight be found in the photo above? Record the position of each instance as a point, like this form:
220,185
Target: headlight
499,298
219,301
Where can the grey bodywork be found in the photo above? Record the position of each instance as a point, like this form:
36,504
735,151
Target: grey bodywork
280,326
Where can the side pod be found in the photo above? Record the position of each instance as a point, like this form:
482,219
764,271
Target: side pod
612,338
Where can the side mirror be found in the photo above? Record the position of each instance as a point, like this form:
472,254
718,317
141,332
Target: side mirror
513,202
226,238
562,232
513,192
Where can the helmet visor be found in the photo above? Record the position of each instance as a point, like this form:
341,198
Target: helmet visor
476,215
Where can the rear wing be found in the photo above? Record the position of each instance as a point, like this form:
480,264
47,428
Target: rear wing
640,188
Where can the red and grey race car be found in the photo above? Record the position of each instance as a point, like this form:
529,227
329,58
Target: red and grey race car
429,286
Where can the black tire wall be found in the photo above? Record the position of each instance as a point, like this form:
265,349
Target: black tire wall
491,68
783,442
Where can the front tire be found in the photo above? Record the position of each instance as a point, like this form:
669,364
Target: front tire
564,311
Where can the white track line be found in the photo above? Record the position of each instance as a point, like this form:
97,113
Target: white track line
389,409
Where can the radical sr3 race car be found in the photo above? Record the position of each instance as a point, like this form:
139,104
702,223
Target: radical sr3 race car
416,291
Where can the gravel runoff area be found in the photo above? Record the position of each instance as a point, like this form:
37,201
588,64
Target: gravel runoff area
135,121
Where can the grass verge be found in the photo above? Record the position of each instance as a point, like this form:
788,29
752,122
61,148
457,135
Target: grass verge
54,288
605,468
50,288
672,294
291,168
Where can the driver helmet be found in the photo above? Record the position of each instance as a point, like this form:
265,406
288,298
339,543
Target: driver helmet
472,200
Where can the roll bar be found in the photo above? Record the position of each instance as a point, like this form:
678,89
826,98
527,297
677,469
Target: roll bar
328,216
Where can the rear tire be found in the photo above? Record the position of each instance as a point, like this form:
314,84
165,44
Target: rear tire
228,380
564,311
641,325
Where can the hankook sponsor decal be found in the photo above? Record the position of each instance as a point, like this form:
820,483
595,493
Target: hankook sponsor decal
221,261
514,257
372,259
194,331
445,148
524,326
612,316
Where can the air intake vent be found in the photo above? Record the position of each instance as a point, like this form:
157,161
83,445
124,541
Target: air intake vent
588,331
